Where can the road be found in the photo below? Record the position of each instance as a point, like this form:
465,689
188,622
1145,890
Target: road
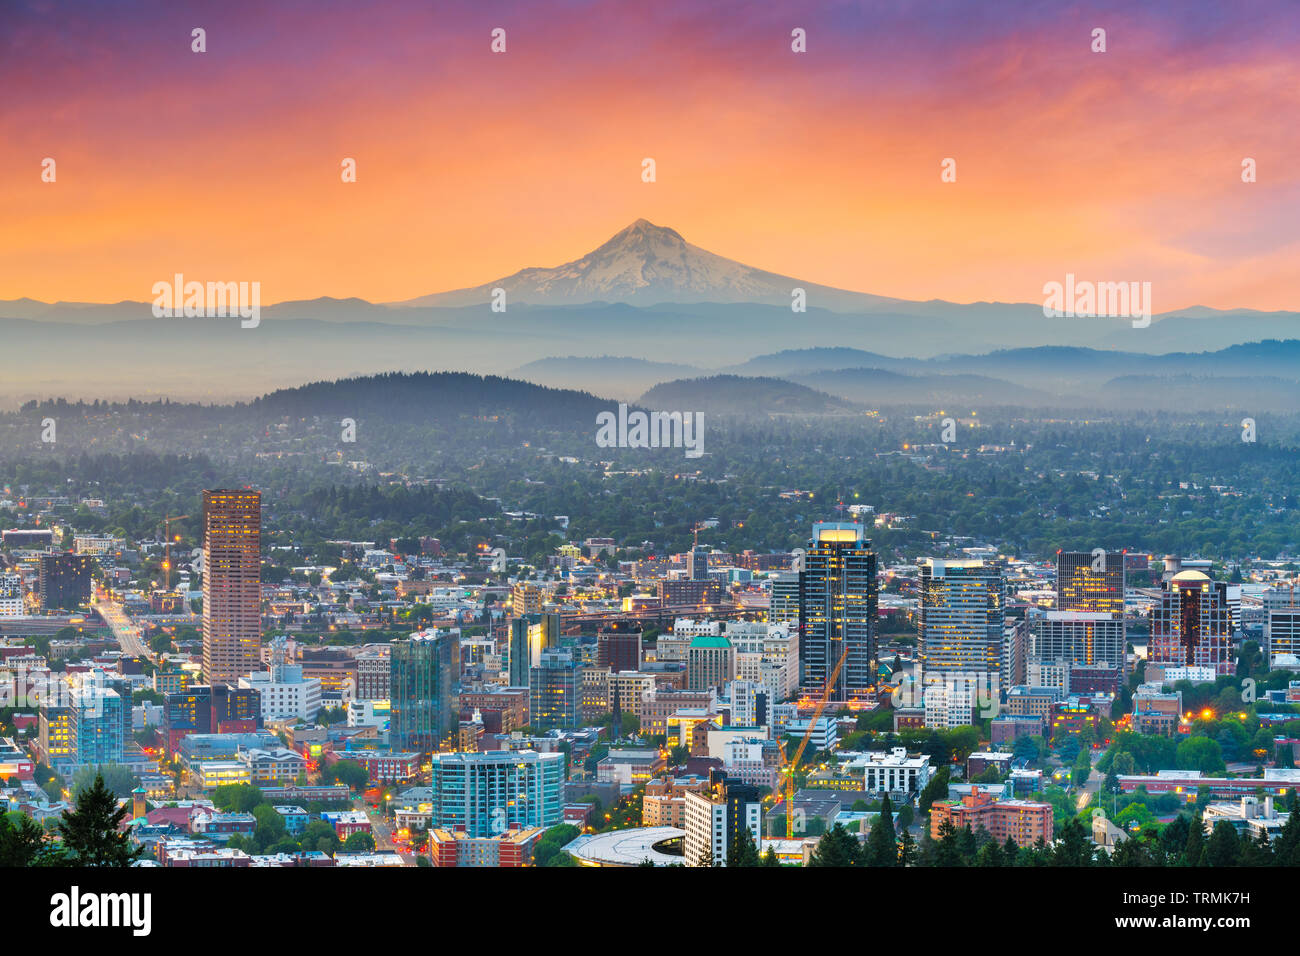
1088,792
382,830
127,633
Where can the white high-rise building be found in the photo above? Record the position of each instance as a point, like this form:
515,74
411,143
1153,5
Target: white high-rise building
283,691
960,641
950,700
1281,623
750,703
715,816
766,654
686,627
11,596
1054,674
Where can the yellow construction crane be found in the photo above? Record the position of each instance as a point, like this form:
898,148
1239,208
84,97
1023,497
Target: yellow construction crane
167,560
791,765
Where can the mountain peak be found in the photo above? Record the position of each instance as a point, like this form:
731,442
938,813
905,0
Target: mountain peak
643,239
644,227
645,264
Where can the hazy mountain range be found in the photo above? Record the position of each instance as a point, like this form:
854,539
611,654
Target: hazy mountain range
641,309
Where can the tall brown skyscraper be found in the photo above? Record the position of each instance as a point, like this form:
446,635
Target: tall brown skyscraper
232,585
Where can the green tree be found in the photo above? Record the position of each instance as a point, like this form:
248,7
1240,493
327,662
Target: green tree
1286,846
117,778
1130,852
270,825
236,797
882,846
1224,846
22,841
1173,838
1194,851
359,842
966,845
549,844
936,789
947,848
1111,783
1257,852
319,835
907,852
347,772
990,854
745,852
1074,847
1201,753
837,847
1010,852
1082,769
91,834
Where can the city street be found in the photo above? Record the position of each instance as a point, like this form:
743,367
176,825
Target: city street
127,633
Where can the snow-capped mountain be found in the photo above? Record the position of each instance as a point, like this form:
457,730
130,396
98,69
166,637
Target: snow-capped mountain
646,264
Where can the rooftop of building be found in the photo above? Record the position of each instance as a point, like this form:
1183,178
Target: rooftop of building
710,641
497,756
626,847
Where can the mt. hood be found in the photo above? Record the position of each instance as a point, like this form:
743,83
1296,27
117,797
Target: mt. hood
646,264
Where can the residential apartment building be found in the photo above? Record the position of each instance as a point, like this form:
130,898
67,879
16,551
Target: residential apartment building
1024,821
484,794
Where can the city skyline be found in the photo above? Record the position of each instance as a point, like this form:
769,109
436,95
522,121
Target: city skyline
357,512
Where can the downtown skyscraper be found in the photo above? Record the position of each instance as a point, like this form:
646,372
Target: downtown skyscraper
232,585
530,634
1090,581
424,673
1087,627
65,580
837,611
1192,624
960,645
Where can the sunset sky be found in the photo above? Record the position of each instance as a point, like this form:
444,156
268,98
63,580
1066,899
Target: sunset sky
824,166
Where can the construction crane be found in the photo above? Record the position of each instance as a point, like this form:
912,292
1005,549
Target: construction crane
167,560
791,765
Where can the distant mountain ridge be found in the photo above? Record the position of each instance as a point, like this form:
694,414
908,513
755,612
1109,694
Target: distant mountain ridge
429,395
737,395
645,294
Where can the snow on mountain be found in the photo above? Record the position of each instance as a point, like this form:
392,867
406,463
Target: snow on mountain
646,264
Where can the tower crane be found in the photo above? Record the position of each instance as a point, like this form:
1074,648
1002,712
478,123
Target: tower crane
792,764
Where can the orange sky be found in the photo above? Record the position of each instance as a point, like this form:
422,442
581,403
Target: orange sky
825,165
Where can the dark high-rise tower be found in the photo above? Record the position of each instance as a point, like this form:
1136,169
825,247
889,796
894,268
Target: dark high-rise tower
64,581
530,634
1087,628
423,676
618,646
837,611
697,563
232,585
961,617
1088,582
